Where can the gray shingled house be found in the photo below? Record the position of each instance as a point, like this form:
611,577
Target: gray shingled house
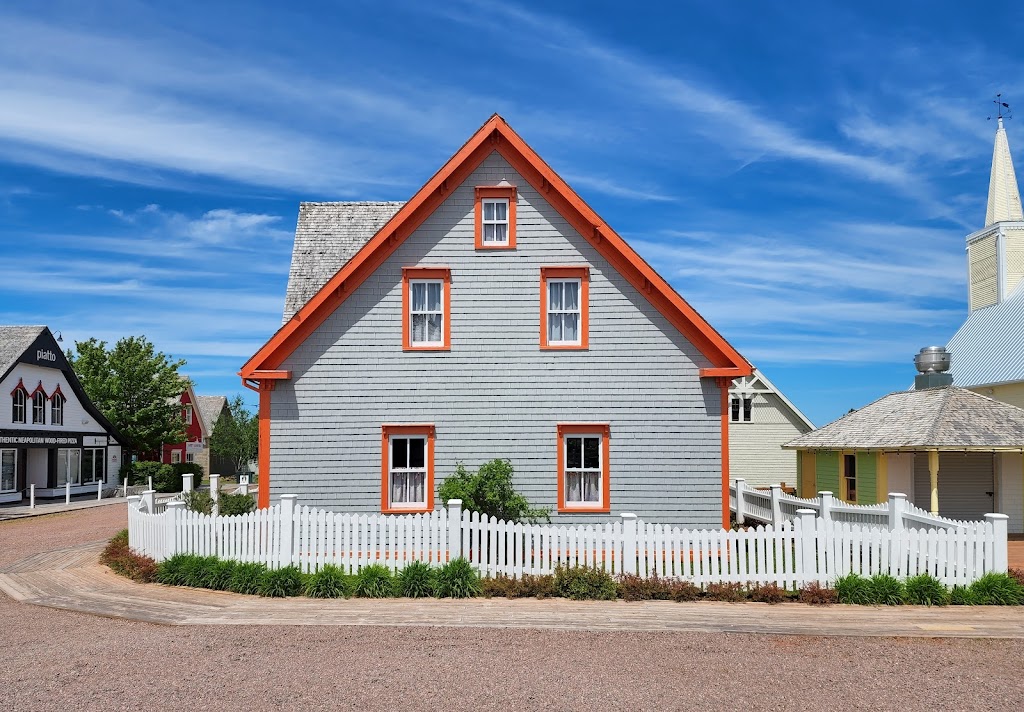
493,315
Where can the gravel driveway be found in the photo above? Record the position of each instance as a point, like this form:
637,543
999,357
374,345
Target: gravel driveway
57,660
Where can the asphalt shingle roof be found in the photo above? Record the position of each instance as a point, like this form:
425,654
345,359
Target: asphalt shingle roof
327,235
942,418
13,342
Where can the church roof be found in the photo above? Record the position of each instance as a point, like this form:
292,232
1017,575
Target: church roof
948,418
1003,194
989,347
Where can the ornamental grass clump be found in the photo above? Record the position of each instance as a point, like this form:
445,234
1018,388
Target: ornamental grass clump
585,583
416,580
246,578
457,579
281,583
374,581
855,589
886,590
177,570
962,596
328,582
997,590
925,590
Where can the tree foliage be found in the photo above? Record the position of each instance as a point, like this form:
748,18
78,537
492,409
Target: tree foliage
490,492
236,434
136,387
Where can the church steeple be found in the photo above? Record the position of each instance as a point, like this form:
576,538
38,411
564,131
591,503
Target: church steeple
1003,195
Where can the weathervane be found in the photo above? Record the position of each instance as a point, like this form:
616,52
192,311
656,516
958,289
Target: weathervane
1001,107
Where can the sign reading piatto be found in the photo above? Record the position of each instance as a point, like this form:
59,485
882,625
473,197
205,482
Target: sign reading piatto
493,315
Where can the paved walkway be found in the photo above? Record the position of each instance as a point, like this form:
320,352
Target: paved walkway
72,579
21,511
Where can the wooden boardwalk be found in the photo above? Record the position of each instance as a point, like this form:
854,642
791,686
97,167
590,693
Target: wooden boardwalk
72,579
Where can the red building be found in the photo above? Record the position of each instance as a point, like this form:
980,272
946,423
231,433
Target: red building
197,435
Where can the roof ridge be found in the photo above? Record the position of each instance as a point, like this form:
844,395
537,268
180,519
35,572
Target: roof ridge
933,427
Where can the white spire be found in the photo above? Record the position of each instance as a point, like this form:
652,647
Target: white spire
1003,195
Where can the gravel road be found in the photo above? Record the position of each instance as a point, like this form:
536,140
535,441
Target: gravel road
55,660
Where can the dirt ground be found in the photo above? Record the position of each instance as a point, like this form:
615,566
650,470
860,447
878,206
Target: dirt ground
52,660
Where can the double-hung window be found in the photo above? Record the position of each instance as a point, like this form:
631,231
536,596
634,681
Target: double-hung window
564,307
407,468
495,217
426,310
8,470
19,400
741,408
57,408
39,406
188,414
69,466
850,478
583,484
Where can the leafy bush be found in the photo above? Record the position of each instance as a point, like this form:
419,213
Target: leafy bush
328,582
815,594
123,561
962,596
181,468
632,587
535,586
854,589
730,592
682,591
886,590
768,593
198,501
997,590
165,479
585,583
280,583
925,590
501,586
1017,575
490,492
457,579
246,578
416,580
374,581
234,504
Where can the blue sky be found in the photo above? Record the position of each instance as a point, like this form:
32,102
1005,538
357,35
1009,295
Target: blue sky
803,175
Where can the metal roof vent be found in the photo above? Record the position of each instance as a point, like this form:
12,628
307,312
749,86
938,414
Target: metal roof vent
932,362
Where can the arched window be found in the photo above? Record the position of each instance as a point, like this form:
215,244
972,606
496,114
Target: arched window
39,406
19,399
57,407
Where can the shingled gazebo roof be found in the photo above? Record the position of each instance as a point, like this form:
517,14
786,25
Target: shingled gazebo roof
947,418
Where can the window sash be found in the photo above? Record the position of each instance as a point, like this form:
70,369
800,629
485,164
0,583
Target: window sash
57,410
565,311
175,457
18,413
188,415
407,471
92,465
584,469
69,466
494,221
8,470
426,312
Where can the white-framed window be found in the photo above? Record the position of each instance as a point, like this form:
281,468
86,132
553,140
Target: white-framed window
69,466
188,414
494,221
93,459
583,469
741,407
564,312
407,471
57,409
175,457
8,470
38,408
426,312
19,399
190,457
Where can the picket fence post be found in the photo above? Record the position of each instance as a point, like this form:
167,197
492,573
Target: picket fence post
776,492
99,489
897,506
287,528
454,529
1000,554
628,543
808,545
186,482
826,506
171,518
740,506
215,493
32,497
67,492
134,501
149,500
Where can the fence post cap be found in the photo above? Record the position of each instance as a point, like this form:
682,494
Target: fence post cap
149,491
454,502
131,498
806,512
627,515
996,515
176,505
775,487
822,493
291,497
898,494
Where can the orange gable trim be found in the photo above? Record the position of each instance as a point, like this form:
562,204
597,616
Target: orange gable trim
496,135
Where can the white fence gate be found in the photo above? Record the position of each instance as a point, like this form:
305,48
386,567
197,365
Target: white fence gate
806,549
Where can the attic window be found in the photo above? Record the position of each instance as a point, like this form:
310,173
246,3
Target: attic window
19,399
741,409
426,308
57,408
495,217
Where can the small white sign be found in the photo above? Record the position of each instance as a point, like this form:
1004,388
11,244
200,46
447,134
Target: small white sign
194,447
94,441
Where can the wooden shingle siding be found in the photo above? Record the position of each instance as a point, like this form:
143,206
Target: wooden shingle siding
495,393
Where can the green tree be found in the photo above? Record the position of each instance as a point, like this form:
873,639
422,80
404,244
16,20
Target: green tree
490,492
236,434
136,388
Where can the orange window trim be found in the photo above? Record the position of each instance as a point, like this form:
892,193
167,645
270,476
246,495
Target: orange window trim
497,191
425,429
412,273
602,429
582,273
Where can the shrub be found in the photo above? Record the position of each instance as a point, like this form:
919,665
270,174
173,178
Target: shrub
457,579
632,587
681,591
585,583
177,570
501,586
119,557
962,596
768,593
181,468
234,504
730,592
925,590
198,501
374,581
815,594
490,491
328,582
886,590
416,580
280,583
997,590
1017,575
854,589
246,578
219,575
165,479
535,586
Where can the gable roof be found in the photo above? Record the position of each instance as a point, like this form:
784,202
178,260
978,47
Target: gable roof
948,418
210,408
988,348
14,340
737,387
327,235
496,135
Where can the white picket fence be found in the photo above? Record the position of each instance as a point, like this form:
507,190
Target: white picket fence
806,549
773,506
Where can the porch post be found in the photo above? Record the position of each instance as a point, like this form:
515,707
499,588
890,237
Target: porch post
776,497
740,504
933,472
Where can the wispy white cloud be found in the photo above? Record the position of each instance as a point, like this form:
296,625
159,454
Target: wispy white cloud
617,190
